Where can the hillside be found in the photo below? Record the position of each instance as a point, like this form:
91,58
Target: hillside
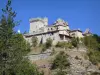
79,61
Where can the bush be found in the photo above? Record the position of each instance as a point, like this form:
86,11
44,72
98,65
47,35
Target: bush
60,61
77,58
53,51
75,41
48,43
60,72
94,56
68,45
93,49
95,73
34,41
91,42
43,48
64,45
60,44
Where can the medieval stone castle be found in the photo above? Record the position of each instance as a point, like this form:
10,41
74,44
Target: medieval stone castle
58,31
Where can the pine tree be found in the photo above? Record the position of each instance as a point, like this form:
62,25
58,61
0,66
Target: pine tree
13,47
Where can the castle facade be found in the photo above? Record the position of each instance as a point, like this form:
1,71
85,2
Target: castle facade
58,31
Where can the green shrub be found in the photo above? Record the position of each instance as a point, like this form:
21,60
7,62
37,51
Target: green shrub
60,72
75,41
43,48
34,41
64,45
48,43
53,51
95,73
94,56
60,44
91,42
93,49
68,45
60,61
77,58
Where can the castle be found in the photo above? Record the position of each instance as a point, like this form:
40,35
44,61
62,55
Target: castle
58,31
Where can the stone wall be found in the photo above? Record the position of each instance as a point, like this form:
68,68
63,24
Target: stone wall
35,57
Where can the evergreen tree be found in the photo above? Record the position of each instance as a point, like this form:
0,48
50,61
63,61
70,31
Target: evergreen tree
13,47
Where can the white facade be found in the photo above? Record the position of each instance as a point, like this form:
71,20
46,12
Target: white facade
76,33
37,24
59,31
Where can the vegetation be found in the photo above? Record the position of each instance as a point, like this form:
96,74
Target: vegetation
61,61
93,48
75,42
48,43
43,47
95,73
53,51
34,41
13,47
64,45
60,72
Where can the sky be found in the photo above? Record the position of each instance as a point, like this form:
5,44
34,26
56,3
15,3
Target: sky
80,14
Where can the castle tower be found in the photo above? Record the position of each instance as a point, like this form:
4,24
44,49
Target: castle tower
62,24
37,23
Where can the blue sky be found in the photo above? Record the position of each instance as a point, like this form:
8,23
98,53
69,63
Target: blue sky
78,13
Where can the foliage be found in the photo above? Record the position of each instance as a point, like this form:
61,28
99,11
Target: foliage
77,58
48,43
34,41
95,73
24,68
43,48
93,49
75,41
64,45
94,56
90,42
53,51
60,61
60,44
96,37
13,47
60,72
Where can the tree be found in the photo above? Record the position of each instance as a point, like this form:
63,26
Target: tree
34,41
97,37
13,47
75,42
61,61
93,49
48,43
91,42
